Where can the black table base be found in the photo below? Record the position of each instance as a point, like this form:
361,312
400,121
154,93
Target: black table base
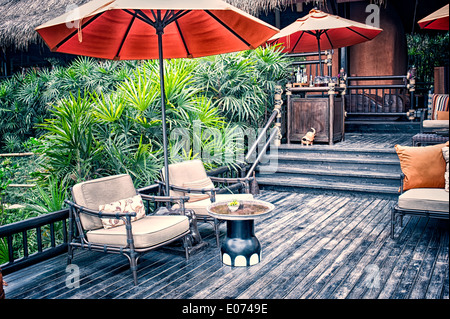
240,246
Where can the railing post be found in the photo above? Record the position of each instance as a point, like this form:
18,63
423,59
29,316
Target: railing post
411,78
288,112
331,92
278,102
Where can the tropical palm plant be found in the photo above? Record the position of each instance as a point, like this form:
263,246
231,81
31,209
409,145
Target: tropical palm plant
69,146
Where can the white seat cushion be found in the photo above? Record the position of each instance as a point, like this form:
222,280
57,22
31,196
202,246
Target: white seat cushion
428,199
435,124
147,232
199,207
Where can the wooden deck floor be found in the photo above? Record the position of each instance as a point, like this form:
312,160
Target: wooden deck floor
315,246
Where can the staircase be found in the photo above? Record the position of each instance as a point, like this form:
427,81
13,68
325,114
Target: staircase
330,168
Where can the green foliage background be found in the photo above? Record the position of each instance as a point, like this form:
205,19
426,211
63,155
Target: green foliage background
94,118
426,52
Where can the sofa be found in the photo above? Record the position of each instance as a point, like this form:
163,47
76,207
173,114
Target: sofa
424,189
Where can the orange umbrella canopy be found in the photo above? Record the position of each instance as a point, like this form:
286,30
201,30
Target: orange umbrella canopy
323,29
438,20
127,29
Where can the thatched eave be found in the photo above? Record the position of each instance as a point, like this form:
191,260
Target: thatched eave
19,18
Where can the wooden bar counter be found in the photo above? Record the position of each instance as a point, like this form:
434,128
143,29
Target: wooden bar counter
321,108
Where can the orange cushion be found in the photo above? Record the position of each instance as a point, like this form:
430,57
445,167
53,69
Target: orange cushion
424,167
442,115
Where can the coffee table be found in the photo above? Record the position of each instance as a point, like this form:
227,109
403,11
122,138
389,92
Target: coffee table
240,246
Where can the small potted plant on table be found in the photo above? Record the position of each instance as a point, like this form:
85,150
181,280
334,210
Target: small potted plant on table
233,206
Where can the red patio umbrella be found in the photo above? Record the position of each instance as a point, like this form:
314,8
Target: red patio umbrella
322,31
438,20
154,29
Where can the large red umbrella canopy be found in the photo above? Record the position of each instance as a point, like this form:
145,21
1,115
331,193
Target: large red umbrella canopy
333,32
438,20
322,31
126,29
154,29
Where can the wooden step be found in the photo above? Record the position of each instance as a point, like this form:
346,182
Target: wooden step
309,171
285,183
372,170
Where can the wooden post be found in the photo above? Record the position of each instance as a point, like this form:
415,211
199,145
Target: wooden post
331,92
288,112
278,102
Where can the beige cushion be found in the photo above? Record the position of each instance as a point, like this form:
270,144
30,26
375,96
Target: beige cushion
435,124
446,156
199,207
127,205
429,199
203,183
91,194
185,172
147,232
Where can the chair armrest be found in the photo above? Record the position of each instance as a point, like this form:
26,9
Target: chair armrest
231,180
164,198
97,213
191,190
402,178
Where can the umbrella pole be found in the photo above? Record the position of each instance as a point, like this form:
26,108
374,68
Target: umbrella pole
163,109
320,54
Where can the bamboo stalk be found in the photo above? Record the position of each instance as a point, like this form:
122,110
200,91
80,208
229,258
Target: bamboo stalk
16,154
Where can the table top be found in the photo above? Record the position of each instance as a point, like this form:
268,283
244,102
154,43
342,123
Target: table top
248,209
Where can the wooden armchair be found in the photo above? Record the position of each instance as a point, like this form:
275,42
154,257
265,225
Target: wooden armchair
189,178
110,217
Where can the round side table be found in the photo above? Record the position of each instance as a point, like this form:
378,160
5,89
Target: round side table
241,247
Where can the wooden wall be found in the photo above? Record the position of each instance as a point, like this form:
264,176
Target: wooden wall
386,54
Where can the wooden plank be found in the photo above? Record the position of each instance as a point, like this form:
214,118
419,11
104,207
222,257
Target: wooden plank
340,257
301,259
291,244
348,269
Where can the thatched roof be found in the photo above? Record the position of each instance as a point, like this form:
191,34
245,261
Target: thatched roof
19,18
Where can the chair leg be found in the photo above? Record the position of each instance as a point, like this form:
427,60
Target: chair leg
69,254
216,230
186,246
133,267
392,222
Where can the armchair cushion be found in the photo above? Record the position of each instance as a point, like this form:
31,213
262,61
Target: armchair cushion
423,167
203,183
147,232
430,125
446,156
442,115
439,104
127,205
185,172
93,193
427,199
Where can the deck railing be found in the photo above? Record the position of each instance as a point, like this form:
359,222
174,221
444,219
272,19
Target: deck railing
374,98
48,232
